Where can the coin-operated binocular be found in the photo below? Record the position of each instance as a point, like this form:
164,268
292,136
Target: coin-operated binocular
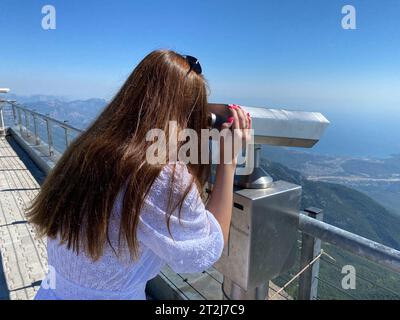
265,213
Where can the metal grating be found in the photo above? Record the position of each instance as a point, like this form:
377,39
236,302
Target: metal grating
23,255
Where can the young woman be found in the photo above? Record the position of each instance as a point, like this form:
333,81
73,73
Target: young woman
111,219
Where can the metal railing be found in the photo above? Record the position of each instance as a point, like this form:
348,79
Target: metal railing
28,122
314,231
311,224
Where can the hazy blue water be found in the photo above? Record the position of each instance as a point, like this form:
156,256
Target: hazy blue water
361,134
351,133
348,135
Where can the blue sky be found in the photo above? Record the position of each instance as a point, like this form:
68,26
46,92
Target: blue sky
282,53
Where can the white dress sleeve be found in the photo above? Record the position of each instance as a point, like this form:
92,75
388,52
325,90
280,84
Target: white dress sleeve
197,240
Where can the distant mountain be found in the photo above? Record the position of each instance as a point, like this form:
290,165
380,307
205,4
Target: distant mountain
344,207
79,113
35,97
379,178
353,211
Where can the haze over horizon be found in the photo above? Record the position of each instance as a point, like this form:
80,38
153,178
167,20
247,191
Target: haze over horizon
350,134
280,54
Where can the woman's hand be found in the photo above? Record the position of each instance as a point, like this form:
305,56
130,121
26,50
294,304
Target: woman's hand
220,202
239,125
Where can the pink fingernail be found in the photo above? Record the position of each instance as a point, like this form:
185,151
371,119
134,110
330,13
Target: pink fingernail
248,114
231,107
230,119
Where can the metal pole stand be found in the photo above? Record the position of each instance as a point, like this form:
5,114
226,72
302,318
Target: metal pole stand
259,178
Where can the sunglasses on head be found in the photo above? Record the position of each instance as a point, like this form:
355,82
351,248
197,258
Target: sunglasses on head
193,63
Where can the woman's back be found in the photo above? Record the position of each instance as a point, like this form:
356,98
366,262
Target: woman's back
197,243
88,202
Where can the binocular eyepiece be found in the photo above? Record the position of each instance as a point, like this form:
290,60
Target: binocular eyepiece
216,121
218,114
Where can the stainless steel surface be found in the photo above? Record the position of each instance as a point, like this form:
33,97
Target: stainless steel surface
351,242
2,126
27,124
263,234
66,135
19,120
259,178
2,103
310,249
287,128
281,127
49,136
36,132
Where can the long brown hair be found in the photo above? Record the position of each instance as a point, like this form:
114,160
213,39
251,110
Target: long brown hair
77,197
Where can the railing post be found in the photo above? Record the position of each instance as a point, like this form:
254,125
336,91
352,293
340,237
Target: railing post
35,128
66,135
2,126
49,136
19,120
14,115
310,248
27,125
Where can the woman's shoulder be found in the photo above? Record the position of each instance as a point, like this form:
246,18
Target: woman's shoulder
173,182
177,174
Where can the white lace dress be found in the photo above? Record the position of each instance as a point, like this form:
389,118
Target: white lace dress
196,245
